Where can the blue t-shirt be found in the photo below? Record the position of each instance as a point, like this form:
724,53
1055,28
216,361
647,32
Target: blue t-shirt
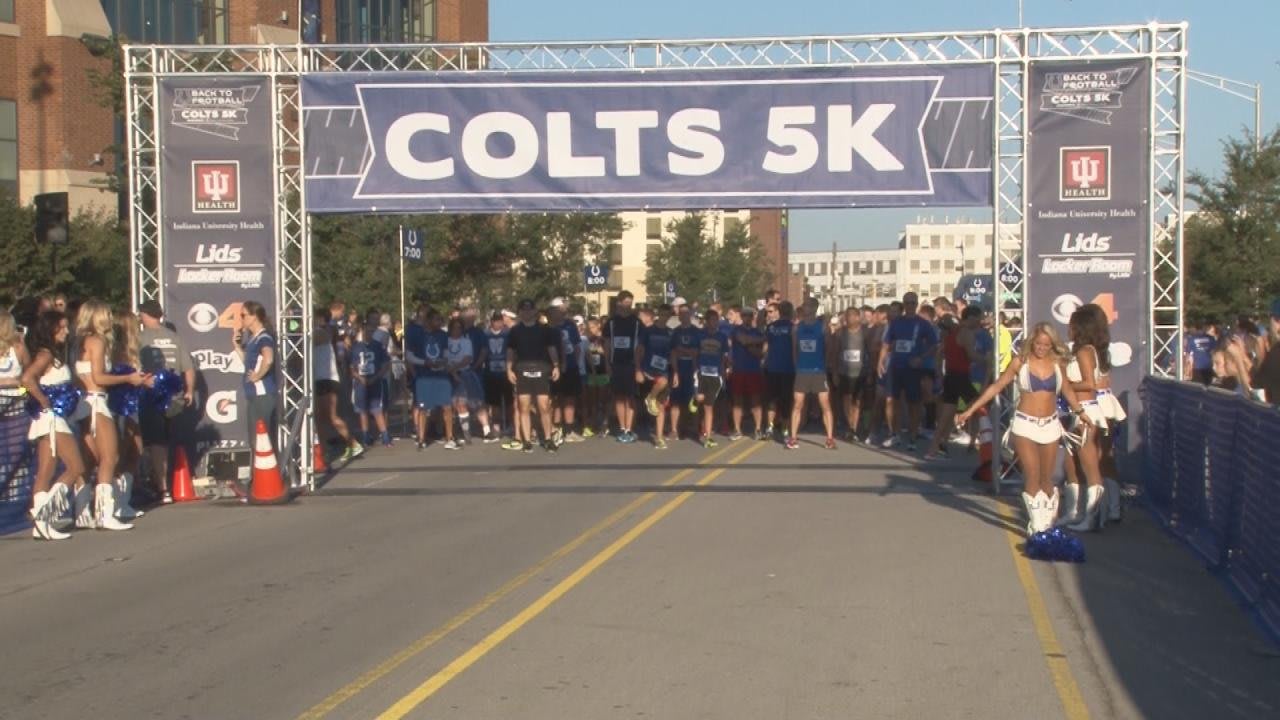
497,344
712,348
744,360
368,358
477,337
909,337
982,342
811,347
413,335
656,341
267,385
434,348
778,358
570,339
685,338
1200,348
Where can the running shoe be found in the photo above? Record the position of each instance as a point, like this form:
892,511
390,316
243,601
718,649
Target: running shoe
587,432
890,442
735,436
762,436
557,437
709,442
492,437
651,404
528,447
451,445
167,499
911,446
831,443
792,444
358,450
659,444
574,437
421,446
550,446
513,444
626,436
693,405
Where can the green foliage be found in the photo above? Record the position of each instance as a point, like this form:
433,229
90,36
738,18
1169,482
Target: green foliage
94,263
1232,246
732,272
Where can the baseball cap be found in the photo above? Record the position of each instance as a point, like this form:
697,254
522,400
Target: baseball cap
556,303
835,320
579,320
678,302
1275,308
508,314
526,304
152,308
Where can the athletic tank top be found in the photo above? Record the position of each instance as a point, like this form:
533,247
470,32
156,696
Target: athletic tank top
324,364
954,354
810,347
852,349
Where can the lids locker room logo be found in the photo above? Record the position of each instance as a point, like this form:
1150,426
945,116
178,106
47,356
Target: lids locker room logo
1084,173
215,187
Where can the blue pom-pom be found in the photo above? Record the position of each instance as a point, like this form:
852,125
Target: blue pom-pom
63,400
123,400
1055,545
167,385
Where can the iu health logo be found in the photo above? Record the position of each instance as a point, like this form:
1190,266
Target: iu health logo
1085,173
215,187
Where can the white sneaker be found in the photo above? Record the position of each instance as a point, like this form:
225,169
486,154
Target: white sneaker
961,438
889,442
574,437
450,445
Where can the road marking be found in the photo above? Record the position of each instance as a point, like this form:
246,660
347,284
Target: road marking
381,480
460,664
1064,681
355,687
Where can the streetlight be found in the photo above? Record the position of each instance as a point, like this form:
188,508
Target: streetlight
1246,91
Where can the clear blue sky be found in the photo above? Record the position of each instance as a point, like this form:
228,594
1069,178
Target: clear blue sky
1239,39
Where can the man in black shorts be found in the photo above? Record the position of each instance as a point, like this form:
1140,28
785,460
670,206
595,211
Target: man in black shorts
622,335
533,363
565,391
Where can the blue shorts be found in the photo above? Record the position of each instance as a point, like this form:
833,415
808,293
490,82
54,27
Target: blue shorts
904,381
368,398
432,392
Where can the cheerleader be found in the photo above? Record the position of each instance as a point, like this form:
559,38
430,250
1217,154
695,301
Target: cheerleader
126,358
1114,414
96,339
1036,429
48,381
1088,365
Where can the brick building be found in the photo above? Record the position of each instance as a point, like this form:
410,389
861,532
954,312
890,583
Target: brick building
53,130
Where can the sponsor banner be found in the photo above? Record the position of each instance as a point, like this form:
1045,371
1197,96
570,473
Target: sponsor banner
1087,203
811,137
217,232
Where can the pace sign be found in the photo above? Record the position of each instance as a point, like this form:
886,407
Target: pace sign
595,277
824,137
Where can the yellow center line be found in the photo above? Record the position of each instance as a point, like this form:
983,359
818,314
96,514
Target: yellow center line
355,687
1064,681
460,664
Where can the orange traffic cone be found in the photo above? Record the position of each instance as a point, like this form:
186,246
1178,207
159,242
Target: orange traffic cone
983,473
268,487
317,458
180,479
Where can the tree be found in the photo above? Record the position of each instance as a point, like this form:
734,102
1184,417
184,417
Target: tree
1232,245
93,263
737,269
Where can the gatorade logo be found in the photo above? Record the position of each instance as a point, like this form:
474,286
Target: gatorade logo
221,407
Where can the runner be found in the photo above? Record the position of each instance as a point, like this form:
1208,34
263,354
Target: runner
497,389
370,365
713,352
654,361
468,393
330,426
908,341
566,391
746,379
432,389
810,357
597,395
852,365
533,363
779,367
622,332
685,341
959,352
1197,357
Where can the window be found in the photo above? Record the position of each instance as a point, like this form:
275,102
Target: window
936,242
913,242
970,241
180,22
9,147
844,268
653,228
822,268
650,251
969,266
6,11
915,266
935,266
615,254
386,21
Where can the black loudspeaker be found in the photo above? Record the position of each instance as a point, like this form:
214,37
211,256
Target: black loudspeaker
51,218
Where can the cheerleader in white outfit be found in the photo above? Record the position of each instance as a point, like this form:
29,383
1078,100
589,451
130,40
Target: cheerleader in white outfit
1114,414
50,431
1088,365
1036,429
95,336
127,352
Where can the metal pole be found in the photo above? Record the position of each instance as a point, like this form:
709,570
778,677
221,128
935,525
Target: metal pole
403,320
1257,117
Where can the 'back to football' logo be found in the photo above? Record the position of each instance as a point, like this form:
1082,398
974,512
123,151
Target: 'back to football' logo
215,187
1085,173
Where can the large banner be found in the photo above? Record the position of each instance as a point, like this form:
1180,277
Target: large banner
1087,203
217,231
458,142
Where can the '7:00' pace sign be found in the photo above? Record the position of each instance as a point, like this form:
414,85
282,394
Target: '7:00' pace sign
830,137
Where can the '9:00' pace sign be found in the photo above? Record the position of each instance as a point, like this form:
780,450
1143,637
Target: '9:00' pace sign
829,137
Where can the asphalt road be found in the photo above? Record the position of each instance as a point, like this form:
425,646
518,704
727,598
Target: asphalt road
613,581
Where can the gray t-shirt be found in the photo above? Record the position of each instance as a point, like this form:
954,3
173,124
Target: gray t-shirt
163,349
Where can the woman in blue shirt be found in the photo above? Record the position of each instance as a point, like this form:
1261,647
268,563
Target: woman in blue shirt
810,353
259,356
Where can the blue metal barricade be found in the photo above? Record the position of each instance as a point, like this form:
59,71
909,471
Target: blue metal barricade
16,467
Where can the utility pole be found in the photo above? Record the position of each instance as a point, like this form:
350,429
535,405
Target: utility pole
833,278
1243,90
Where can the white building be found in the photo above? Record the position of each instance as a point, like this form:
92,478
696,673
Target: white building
929,260
643,233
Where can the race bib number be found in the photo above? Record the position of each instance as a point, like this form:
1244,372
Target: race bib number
622,343
712,370
657,362
853,356
808,346
497,366
531,374
903,347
